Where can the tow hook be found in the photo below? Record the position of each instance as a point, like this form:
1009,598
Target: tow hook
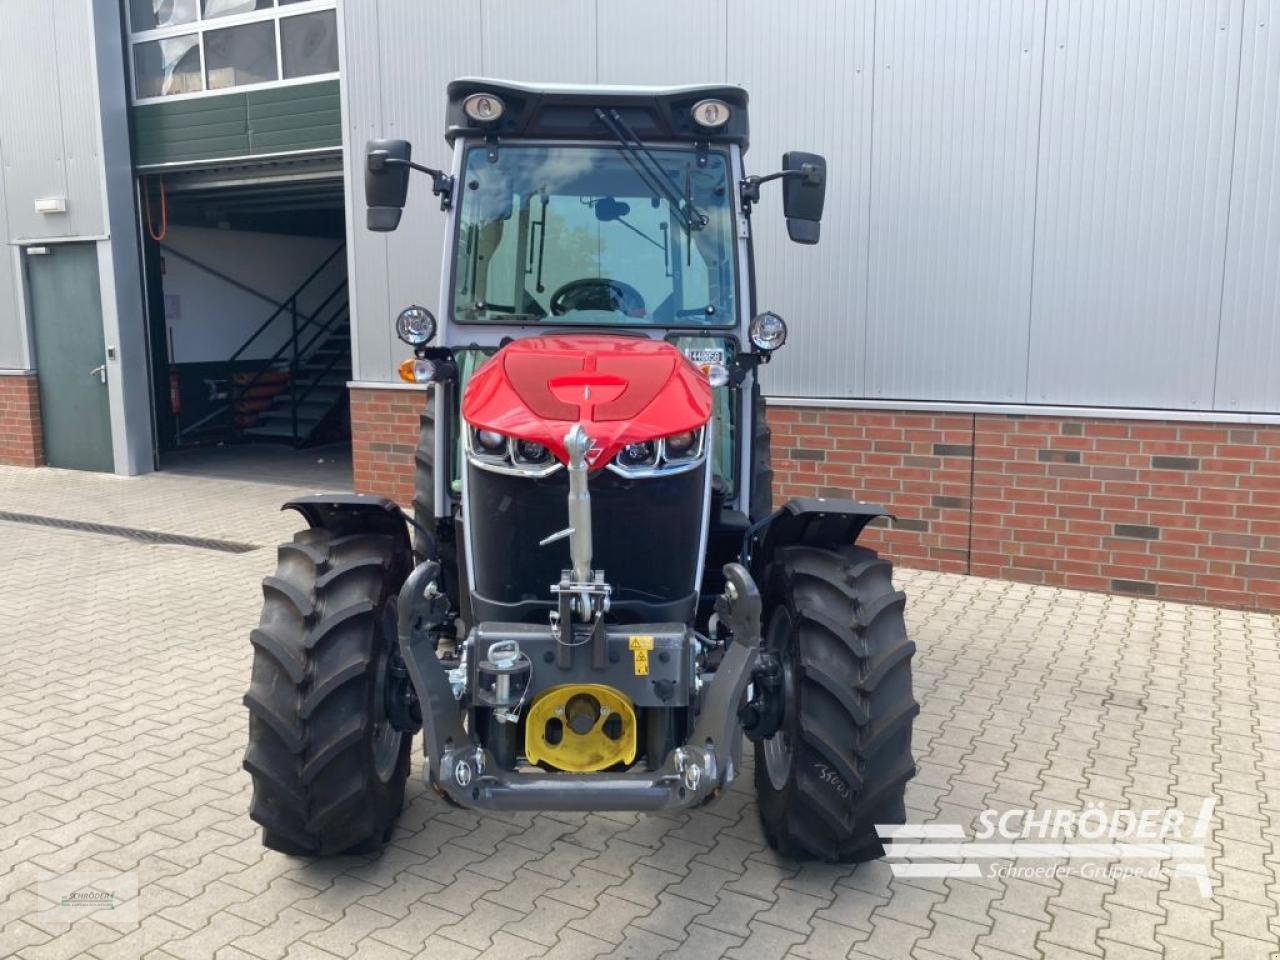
761,715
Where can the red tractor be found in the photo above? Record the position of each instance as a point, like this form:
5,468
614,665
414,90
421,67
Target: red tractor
598,599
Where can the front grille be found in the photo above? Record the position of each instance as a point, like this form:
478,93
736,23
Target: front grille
646,534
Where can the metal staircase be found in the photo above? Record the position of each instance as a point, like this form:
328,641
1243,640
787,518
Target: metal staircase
308,371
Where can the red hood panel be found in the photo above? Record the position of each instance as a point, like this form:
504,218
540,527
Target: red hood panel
621,389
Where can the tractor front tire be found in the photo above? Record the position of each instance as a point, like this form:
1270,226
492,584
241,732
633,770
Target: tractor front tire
840,762
328,767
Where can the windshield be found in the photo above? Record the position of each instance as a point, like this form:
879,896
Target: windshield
581,235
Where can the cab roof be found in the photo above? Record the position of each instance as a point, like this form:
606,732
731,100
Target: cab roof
550,111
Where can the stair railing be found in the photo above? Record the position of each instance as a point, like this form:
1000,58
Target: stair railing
298,323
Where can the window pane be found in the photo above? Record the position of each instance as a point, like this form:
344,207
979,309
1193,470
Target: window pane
239,55
164,67
148,14
227,8
309,44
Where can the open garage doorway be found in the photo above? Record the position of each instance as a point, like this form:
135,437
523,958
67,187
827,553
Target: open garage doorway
250,321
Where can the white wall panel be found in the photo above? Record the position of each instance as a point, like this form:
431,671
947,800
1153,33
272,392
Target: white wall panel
547,41
1028,200
807,68
13,349
48,127
29,119
412,50
953,148
78,101
1134,178
1248,374
695,52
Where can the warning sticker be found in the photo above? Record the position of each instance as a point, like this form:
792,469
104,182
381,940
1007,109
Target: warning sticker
640,647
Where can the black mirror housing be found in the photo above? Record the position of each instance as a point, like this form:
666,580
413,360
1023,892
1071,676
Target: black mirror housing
386,182
804,192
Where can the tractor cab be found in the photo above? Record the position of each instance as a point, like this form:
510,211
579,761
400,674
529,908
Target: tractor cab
619,211
600,599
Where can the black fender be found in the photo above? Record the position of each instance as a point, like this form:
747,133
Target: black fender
808,521
346,513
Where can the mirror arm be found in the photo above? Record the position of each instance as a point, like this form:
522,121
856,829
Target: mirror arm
441,182
750,186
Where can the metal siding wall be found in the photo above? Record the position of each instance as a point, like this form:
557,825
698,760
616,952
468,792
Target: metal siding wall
400,55
809,77
78,98
48,121
551,41
13,341
953,150
695,53
1248,374
1034,210
1134,179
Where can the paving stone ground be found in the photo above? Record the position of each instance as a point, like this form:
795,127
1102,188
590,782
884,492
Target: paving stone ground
122,665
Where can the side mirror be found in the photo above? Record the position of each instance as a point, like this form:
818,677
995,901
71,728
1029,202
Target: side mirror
804,191
386,182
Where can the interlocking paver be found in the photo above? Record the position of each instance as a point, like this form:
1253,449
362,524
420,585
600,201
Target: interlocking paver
121,733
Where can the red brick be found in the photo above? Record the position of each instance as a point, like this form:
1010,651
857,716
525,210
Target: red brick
21,433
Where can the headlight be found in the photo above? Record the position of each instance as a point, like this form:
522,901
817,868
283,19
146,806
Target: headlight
483,107
529,452
710,113
638,454
415,325
717,374
497,453
768,331
681,444
677,453
490,441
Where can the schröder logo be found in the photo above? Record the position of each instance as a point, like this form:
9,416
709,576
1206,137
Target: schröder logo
1097,842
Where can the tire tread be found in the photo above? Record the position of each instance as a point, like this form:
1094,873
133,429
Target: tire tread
853,759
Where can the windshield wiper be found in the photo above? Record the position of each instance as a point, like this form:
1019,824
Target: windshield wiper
650,171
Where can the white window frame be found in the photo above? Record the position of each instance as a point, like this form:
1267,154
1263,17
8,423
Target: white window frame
275,13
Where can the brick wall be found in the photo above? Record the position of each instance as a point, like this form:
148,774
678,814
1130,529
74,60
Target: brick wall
384,435
1179,511
21,439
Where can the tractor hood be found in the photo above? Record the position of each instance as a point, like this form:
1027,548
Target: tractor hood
621,389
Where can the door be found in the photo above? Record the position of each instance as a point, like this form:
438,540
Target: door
66,320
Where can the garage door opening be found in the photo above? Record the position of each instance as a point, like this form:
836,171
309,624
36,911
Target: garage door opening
250,323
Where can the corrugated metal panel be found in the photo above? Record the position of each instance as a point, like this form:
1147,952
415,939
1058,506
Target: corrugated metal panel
953,148
199,129
297,117
12,342
1034,209
303,117
33,152
1249,354
696,52
78,102
548,41
401,43
359,49
1134,174
808,72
